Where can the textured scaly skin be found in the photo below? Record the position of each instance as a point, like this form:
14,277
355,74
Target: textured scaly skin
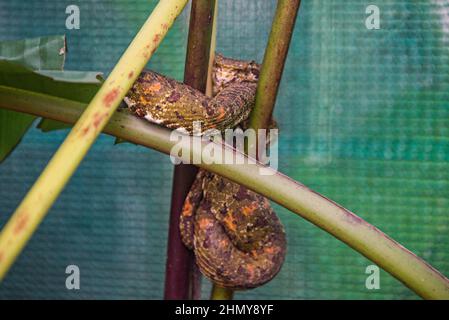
238,240
175,105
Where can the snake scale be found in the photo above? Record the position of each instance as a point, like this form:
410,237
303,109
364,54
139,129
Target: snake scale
237,238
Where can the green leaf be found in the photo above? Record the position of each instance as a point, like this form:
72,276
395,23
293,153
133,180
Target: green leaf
47,125
36,65
73,85
13,125
44,53
120,141
38,53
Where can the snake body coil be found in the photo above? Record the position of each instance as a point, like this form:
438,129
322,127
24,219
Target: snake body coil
238,240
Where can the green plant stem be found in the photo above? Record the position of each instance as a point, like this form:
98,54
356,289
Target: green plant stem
219,293
324,213
273,63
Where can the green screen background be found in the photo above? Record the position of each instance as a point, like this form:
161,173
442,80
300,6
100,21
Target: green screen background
364,120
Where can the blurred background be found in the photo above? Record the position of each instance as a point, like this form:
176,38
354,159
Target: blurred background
364,119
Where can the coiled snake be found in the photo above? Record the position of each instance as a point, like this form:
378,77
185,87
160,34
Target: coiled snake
238,240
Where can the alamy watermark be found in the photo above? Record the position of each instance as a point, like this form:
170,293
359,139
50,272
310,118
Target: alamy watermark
208,147
73,19
372,282
72,282
372,22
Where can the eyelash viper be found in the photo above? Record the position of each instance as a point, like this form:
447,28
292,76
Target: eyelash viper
237,238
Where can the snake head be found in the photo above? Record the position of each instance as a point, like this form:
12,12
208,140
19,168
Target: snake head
227,71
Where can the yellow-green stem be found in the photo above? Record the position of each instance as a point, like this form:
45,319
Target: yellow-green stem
49,185
213,45
324,213
273,63
219,293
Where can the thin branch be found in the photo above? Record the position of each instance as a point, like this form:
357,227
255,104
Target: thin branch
198,47
219,293
182,280
324,213
273,63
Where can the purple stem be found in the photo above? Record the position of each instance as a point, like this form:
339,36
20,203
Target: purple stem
182,280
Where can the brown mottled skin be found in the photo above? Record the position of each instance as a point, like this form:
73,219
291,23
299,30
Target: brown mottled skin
238,240
175,105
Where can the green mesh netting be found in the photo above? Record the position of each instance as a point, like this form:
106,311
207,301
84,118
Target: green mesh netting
364,120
